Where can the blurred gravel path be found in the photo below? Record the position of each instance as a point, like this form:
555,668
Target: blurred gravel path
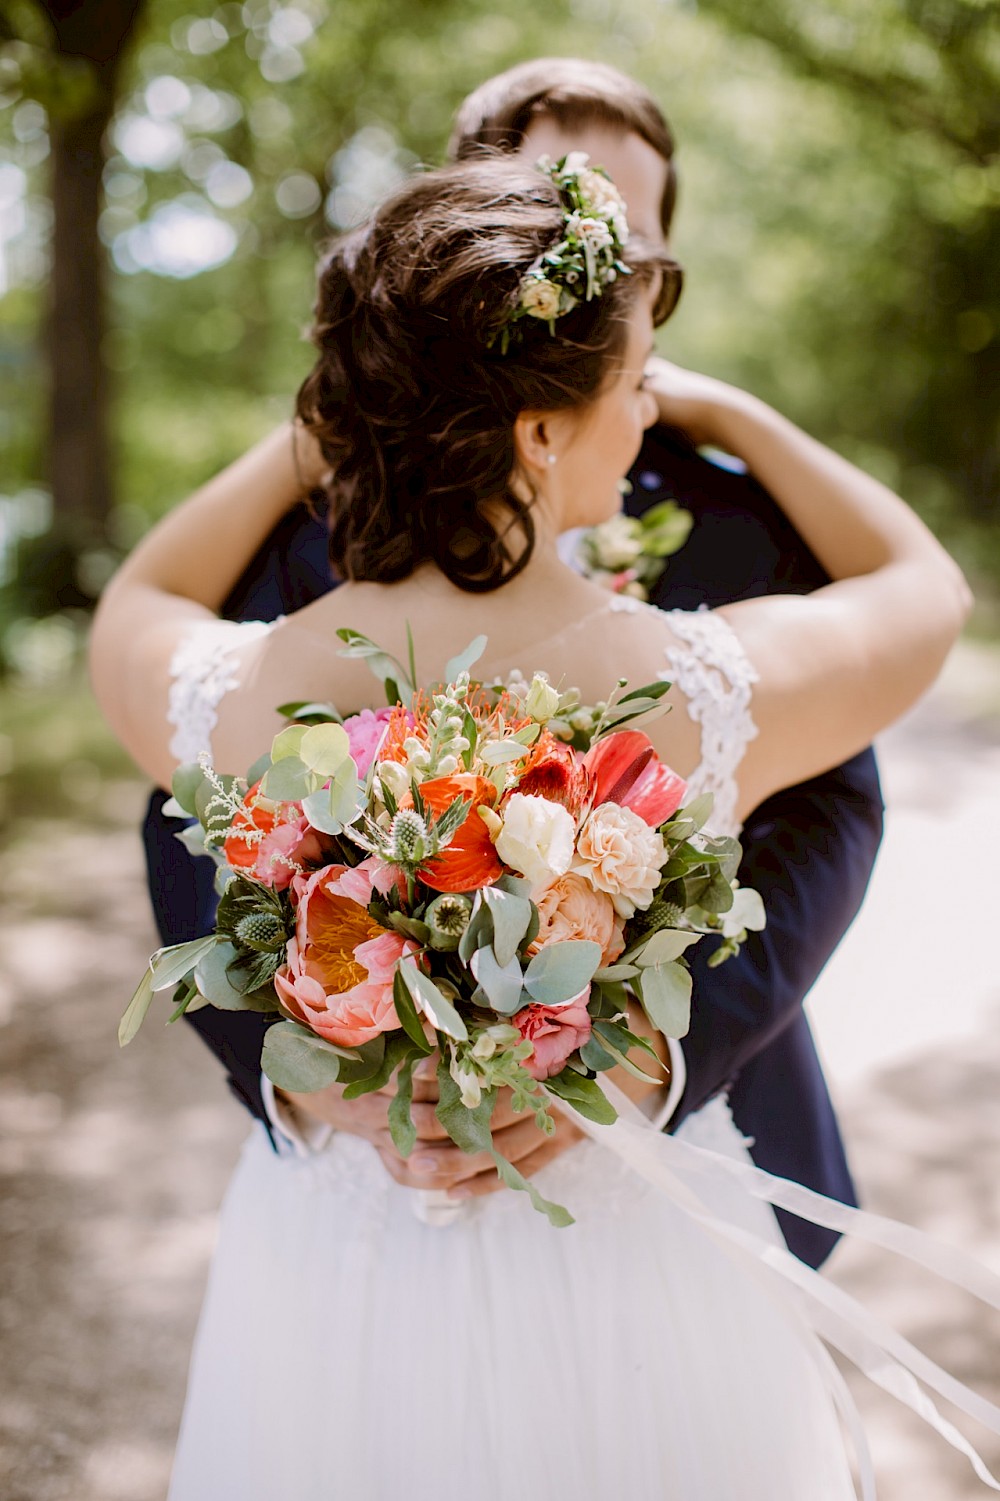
112,1165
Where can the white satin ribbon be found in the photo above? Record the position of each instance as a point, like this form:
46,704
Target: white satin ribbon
889,1360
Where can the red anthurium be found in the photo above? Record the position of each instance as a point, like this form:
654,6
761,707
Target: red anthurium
469,861
625,769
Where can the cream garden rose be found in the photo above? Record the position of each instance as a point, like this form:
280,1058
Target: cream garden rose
536,838
539,297
619,853
570,908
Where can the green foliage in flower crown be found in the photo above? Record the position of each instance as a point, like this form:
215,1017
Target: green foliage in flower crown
586,258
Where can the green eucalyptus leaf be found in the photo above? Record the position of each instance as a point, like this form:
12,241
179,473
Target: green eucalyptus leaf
502,983
561,970
501,752
184,785
325,748
379,1060
615,972
609,1040
288,742
258,768
665,993
511,919
288,781
217,986
193,839
295,1058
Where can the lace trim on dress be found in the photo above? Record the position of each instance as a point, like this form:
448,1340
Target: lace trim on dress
203,670
716,677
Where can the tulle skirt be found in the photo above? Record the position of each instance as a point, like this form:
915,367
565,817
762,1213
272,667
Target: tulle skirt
349,1351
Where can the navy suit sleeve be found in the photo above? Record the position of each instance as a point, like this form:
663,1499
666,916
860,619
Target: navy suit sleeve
289,570
809,851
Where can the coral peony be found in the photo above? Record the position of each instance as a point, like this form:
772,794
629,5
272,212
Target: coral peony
625,769
555,1032
338,977
569,907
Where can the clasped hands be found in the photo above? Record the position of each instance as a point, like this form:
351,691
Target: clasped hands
436,1162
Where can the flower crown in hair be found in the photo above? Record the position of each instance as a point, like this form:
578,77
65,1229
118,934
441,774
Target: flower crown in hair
586,259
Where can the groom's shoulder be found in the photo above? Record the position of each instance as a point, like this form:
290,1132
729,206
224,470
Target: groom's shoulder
290,569
741,545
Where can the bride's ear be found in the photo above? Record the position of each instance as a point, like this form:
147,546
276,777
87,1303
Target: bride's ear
534,443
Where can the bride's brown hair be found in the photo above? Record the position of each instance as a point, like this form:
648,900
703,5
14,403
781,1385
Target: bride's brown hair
411,399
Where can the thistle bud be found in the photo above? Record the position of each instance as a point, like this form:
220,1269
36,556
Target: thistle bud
263,931
408,838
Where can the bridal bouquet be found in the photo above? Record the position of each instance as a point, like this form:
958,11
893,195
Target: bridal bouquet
484,872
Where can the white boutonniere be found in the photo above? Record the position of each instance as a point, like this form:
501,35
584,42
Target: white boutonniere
628,554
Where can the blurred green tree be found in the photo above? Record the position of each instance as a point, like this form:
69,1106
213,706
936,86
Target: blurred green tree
929,71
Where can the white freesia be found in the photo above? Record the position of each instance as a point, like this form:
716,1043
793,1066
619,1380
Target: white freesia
468,1083
536,838
619,853
593,232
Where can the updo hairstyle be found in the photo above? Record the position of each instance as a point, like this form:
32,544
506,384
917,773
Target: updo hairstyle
410,398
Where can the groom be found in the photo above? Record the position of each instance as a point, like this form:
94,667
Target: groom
809,850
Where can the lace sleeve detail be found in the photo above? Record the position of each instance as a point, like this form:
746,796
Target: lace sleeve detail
203,670
716,677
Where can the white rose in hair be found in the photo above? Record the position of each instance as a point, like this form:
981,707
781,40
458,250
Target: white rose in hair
539,297
536,838
619,853
593,232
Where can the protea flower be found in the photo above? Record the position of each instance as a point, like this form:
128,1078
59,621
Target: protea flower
624,768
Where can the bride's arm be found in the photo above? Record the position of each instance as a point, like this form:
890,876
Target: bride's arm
838,665
183,570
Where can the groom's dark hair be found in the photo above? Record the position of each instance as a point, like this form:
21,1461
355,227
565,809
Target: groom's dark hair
572,91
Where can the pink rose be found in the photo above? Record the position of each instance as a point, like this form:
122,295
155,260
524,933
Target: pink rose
364,733
340,965
271,841
569,907
555,1032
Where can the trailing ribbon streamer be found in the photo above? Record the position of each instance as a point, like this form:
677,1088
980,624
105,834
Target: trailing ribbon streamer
669,1164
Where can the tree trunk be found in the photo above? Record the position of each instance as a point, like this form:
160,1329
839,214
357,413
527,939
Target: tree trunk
80,467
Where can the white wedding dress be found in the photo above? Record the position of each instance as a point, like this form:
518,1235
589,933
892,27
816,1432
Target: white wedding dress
349,1351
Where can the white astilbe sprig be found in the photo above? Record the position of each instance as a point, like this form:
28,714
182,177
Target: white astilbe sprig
225,806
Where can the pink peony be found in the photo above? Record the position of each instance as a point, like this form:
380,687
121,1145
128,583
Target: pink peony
555,1032
364,733
339,971
569,907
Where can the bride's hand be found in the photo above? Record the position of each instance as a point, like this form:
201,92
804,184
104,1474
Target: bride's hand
694,403
435,1162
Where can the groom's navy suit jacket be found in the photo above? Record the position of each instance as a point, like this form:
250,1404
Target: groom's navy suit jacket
809,850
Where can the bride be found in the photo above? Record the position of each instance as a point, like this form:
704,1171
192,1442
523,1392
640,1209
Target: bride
348,1348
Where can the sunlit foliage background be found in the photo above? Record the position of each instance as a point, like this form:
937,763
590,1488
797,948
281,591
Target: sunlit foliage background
840,169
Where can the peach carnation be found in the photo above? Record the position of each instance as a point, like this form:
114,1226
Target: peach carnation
619,853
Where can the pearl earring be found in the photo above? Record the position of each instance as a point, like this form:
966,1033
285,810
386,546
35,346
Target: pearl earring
551,458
